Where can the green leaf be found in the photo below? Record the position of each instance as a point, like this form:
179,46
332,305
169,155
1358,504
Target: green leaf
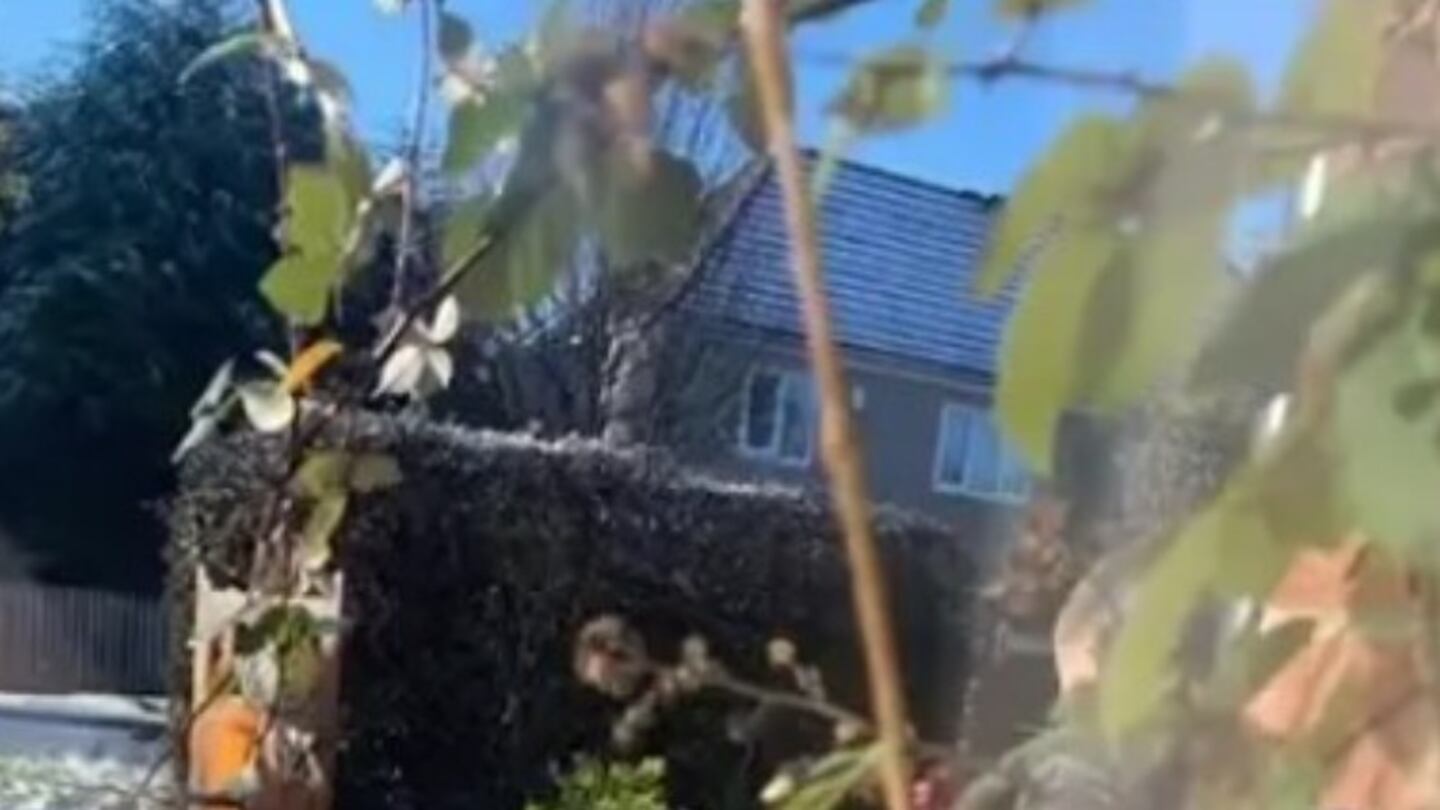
1148,314
456,37
373,472
316,538
300,283
527,262
1189,159
650,215
1390,455
827,783
1028,9
351,164
319,211
299,288
1337,66
895,89
1140,669
931,13
464,227
247,43
1059,188
1038,375
477,125
1265,330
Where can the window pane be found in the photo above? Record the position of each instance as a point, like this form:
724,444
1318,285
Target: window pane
797,410
982,466
1017,480
955,439
760,403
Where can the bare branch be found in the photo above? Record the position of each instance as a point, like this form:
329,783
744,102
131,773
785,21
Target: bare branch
766,35
1129,83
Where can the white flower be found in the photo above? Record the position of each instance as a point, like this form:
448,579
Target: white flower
207,412
422,364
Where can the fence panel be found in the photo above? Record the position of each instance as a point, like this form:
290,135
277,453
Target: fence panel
57,640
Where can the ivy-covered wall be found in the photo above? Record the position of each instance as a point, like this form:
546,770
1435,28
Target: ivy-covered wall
466,585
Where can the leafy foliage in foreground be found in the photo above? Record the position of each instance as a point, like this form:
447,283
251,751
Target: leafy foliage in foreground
597,785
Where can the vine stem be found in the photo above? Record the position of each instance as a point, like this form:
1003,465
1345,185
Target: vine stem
764,28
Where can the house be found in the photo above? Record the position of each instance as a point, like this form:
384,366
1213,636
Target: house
899,257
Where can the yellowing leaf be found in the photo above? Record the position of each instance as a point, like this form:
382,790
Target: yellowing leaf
1038,373
1338,64
894,89
322,473
372,472
324,520
303,369
1057,192
268,408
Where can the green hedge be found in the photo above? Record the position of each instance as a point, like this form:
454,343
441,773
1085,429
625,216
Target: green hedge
466,584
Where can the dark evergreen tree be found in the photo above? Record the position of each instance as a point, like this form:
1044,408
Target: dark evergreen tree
126,277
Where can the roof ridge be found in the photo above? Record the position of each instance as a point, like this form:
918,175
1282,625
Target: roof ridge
813,154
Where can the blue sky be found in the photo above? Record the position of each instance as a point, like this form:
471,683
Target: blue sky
983,141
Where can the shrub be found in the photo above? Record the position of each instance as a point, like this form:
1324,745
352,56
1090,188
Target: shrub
466,585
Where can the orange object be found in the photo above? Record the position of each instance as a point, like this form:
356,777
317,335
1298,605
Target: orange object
1384,757
224,749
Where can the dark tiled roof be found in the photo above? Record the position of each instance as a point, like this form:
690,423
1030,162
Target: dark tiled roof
899,257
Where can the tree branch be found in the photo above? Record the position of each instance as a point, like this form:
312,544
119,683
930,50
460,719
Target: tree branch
1012,66
764,27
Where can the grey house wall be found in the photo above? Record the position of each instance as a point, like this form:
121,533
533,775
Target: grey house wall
899,419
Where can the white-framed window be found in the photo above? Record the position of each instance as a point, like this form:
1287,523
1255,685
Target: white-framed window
778,417
972,458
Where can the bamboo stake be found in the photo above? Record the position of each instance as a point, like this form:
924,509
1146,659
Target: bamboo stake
764,28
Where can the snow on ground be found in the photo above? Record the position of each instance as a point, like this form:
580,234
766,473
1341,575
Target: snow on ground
80,752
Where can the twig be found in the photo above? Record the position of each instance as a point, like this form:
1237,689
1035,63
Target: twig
1011,65
414,152
835,713
764,28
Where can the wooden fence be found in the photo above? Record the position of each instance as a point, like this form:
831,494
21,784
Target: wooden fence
58,640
